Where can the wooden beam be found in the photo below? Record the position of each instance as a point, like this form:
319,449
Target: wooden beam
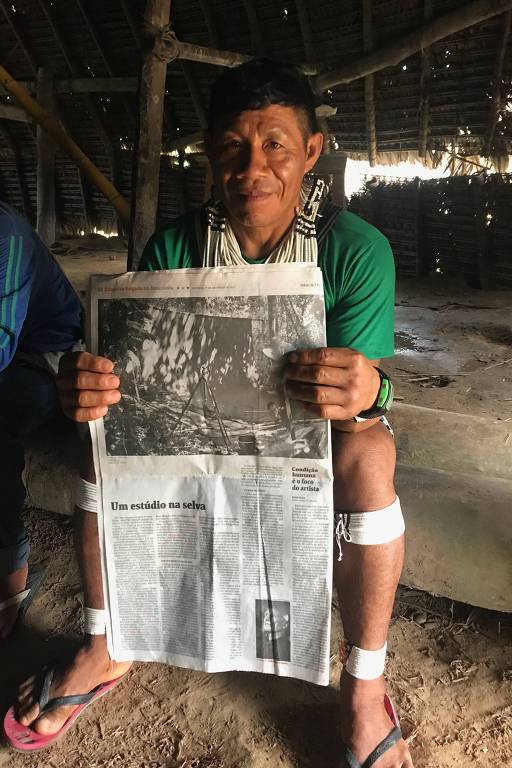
46,217
65,142
369,86
87,85
468,15
98,85
19,34
255,27
8,112
497,96
425,85
149,142
169,48
305,29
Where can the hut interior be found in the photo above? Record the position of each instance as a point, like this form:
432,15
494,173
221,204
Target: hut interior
103,106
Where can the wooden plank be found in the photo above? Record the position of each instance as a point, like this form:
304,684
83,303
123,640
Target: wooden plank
8,112
369,86
149,141
397,50
46,216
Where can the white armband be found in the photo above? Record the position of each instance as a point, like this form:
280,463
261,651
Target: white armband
95,621
86,495
366,665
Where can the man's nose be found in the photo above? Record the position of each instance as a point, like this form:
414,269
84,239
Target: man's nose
253,162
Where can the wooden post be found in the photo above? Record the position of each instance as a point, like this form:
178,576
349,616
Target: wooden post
149,143
369,86
46,149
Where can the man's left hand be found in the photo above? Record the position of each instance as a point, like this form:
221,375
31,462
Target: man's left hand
333,383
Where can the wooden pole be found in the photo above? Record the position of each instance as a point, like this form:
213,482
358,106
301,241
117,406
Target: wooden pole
46,217
443,26
65,142
149,144
369,86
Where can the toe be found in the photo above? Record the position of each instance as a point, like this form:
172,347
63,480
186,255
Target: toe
52,722
28,713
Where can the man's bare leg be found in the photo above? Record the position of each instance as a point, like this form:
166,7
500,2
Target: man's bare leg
366,580
92,664
11,585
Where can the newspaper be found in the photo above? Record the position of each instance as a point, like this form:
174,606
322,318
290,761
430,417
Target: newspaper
216,489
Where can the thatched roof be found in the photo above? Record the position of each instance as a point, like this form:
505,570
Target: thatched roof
446,95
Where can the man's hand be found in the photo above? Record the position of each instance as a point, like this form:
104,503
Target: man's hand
332,383
87,386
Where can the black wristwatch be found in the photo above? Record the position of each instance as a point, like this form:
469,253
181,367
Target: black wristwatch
383,402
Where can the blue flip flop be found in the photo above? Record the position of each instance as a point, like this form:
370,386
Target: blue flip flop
386,744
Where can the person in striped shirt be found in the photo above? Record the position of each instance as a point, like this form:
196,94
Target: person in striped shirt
40,318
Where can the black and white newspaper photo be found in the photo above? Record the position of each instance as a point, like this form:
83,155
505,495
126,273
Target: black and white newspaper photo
216,489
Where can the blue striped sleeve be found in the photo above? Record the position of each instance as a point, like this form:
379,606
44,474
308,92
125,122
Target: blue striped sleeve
15,283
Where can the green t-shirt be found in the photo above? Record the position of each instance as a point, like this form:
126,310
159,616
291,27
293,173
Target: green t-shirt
357,267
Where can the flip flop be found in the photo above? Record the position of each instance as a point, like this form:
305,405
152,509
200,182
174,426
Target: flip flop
36,576
390,741
22,738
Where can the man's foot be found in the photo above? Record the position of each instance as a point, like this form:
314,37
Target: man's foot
365,722
90,667
10,586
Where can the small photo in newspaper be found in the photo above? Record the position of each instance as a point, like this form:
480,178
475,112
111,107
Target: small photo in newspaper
273,630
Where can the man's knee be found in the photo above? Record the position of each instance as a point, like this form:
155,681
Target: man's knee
364,468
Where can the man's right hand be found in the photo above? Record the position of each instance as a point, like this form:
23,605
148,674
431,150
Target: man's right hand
87,386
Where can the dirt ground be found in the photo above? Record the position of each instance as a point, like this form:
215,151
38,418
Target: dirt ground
450,673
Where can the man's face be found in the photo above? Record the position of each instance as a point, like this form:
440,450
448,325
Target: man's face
258,160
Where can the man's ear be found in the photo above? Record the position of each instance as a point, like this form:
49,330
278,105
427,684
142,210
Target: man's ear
313,150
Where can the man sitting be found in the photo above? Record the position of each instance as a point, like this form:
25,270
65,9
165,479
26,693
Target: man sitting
262,141
40,317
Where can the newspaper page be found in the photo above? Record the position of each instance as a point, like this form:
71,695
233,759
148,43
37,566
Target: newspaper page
216,489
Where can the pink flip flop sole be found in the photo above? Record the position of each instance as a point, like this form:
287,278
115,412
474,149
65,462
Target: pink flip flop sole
24,739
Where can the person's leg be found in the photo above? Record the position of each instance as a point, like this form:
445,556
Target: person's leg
92,665
29,399
366,579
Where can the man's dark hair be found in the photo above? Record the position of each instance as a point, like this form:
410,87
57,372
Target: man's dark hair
258,84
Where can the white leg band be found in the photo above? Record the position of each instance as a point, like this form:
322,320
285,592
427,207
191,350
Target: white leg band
86,495
366,665
95,621
365,528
